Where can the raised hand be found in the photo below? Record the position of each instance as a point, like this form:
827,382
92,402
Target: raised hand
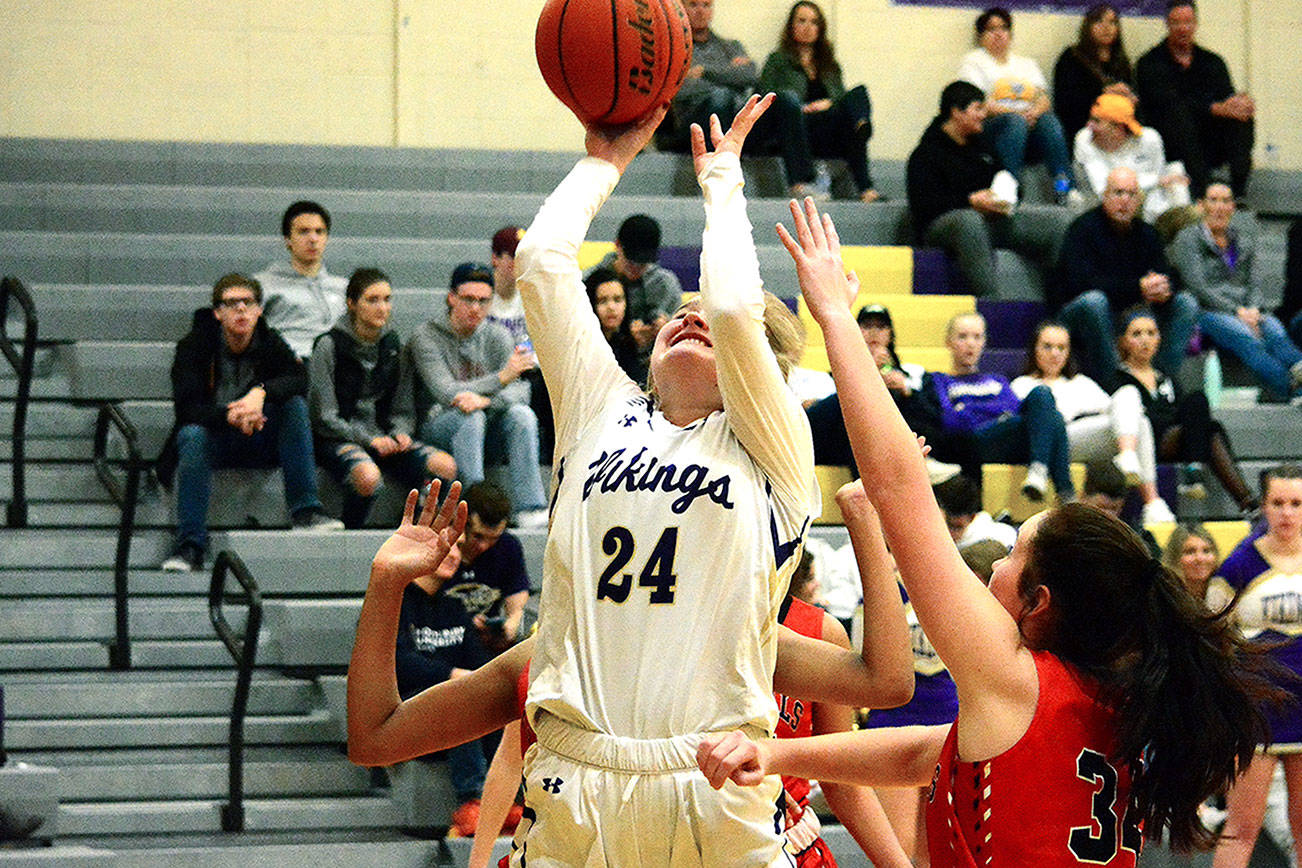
816,250
418,546
619,145
731,141
724,756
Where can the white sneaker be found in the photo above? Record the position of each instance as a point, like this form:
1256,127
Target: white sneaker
1037,482
531,519
1128,463
1156,512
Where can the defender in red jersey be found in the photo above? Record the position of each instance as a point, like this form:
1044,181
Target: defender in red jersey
1096,696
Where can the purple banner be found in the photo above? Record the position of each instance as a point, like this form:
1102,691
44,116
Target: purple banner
1125,7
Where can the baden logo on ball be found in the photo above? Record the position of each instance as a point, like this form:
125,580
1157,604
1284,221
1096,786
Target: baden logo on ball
612,61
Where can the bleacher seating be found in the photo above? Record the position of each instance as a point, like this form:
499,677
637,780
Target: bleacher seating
120,242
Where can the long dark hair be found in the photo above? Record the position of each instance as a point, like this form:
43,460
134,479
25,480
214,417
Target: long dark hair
1117,66
1186,687
824,57
1032,368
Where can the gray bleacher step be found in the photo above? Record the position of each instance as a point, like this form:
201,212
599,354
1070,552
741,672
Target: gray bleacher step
156,618
313,727
179,653
149,514
51,419
62,855
55,386
46,549
328,774
179,816
408,853
81,582
23,656
357,213
58,481
1263,431
81,695
45,449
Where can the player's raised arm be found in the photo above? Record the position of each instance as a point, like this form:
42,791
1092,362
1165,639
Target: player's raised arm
972,632
382,728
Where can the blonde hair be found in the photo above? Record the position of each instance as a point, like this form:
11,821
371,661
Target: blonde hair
953,322
782,328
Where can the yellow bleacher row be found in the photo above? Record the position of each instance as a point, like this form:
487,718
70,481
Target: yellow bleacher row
886,277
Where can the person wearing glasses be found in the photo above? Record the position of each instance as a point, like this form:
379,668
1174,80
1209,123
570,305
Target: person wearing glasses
303,299
240,398
469,393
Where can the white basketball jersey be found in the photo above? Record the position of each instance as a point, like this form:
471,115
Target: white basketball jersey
670,549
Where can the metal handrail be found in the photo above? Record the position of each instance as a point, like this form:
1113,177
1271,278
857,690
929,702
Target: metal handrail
244,651
23,363
126,495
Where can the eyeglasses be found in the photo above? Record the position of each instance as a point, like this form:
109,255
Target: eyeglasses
1118,193
238,303
474,300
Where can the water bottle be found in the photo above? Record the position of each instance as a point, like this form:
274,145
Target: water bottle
1212,378
822,178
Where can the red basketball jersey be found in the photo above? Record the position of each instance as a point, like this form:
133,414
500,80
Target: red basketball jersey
1053,799
795,716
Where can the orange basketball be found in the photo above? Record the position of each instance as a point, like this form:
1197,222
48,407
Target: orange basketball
612,61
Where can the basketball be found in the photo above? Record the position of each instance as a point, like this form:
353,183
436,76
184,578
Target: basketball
612,61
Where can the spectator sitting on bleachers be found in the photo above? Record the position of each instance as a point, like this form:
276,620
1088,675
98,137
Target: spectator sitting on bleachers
438,642
1114,139
609,302
468,392
1217,259
652,293
1095,65
303,299
1019,115
1183,427
981,412
507,310
1100,427
1192,552
720,80
361,418
1185,92
960,502
951,202
492,581
838,121
1105,490
1290,309
831,445
238,390
1110,260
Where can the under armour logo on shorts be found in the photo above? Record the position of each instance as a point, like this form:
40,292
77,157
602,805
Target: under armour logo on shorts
552,785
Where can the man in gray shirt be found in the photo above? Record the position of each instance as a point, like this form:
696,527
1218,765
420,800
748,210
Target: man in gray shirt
469,394
302,299
721,78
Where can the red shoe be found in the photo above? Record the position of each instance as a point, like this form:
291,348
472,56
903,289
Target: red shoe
464,819
513,817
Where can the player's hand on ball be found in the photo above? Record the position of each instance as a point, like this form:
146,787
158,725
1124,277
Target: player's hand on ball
419,545
725,756
731,141
619,145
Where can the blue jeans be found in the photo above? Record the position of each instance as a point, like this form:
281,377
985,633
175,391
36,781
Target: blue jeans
467,768
1089,318
1012,140
510,432
1269,355
1036,434
285,441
